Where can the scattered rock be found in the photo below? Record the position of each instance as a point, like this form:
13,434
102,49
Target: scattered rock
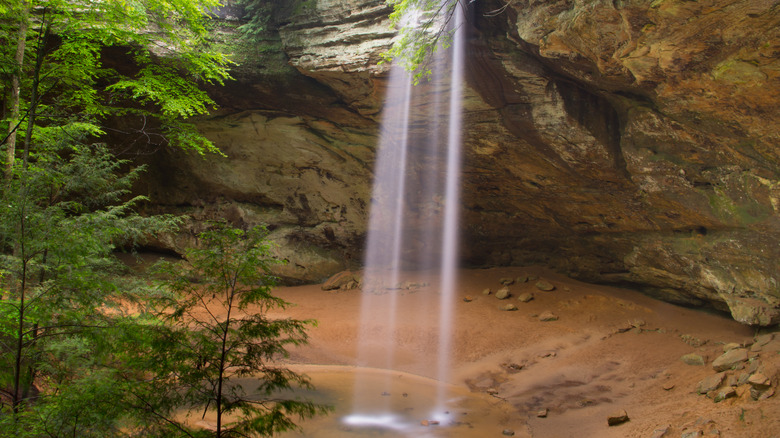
508,307
725,393
760,381
525,297
468,298
693,341
429,422
507,281
522,278
512,367
545,285
761,341
502,293
508,432
542,413
730,359
617,418
743,378
730,346
690,433
762,395
486,291
343,280
661,431
668,386
548,316
710,383
764,339
693,359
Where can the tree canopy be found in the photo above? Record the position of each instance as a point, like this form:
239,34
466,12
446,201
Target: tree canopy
58,83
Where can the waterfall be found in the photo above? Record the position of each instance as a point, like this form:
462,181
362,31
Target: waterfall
413,224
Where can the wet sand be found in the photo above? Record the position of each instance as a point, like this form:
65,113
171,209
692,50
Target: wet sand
609,350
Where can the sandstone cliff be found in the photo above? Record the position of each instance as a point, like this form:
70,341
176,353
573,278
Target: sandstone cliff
632,142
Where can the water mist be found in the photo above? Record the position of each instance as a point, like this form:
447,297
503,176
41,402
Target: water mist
413,225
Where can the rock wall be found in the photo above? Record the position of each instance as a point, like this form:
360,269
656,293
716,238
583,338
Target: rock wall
629,142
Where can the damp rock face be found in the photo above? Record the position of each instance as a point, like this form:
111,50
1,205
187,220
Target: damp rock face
631,145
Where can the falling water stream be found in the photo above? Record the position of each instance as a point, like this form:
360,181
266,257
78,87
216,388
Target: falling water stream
413,227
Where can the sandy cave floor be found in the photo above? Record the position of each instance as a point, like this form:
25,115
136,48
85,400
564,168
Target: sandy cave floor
609,350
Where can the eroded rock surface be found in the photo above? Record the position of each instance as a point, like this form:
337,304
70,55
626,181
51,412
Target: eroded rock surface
631,142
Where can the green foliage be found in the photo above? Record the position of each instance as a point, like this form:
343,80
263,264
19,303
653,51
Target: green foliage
166,45
221,331
257,14
422,32
63,298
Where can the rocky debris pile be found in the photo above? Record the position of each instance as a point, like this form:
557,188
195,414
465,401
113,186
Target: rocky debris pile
344,280
739,371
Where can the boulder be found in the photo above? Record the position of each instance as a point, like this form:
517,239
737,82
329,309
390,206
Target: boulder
545,285
342,280
616,418
730,359
502,293
710,383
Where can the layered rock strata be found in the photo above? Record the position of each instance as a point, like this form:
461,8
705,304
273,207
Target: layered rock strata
629,142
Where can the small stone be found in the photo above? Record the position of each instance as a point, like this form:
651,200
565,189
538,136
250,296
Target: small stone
617,418
468,299
525,297
730,346
760,381
486,291
542,413
692,341
730,359
507,281
509,307
766,394
668,386
429,422
725,393
686,433
710,383
548,316
338,281
502,293
661,431
743,378
764,339
522,279
512,367
693,359
508,432
544,285
385,394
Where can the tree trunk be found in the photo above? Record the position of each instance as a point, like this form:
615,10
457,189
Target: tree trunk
40,54
21,42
